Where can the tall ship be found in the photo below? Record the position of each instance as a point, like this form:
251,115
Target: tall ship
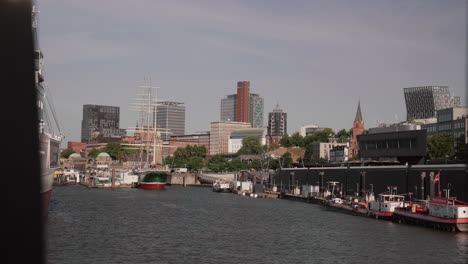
49,130
151,171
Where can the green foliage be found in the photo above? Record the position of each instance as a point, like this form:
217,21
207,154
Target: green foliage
195,163
356,157
218,163
190,157
342,139
251,145
273,164
297,140
117,151
94,152
440,146
285,141
66,153
236,165
286,160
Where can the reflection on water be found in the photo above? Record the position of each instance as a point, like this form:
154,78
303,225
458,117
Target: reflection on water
196,225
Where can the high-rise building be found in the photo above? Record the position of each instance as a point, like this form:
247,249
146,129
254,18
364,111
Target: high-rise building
423,102
229,108
243,97
170,118
243,106
101,121
358,129
277,124
256,111
220,133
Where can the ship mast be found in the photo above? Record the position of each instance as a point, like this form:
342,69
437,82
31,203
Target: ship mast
150,134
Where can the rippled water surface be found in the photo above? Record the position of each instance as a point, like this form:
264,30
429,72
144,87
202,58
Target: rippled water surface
196,225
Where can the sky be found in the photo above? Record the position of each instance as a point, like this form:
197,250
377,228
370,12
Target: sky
315,58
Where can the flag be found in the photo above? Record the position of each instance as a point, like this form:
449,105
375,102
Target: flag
437,177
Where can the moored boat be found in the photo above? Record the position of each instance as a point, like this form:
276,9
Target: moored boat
442,213
385,206
221,186
153,179
49,138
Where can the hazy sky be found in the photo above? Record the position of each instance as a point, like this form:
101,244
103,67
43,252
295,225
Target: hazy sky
315,58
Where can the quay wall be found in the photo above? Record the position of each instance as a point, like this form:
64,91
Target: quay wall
417,179
178,179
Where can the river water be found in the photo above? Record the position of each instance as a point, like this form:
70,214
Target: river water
197,225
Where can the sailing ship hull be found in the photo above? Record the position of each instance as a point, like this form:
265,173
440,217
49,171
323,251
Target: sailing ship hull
152,180
152,185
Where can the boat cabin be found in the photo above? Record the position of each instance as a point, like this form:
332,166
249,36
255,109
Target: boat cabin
387,203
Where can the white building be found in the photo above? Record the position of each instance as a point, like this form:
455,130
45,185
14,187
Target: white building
235,140
322,150
309,129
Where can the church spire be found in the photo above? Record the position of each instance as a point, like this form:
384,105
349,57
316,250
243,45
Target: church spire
358,113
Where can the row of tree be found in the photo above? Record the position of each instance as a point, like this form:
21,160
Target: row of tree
440,146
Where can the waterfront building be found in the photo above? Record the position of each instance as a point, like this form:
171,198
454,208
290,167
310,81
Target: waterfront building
236,137
339,153
358,129
423,102
101,123
309,129
451,120
182,141
220,132
170,119
243,106
403,146
322,149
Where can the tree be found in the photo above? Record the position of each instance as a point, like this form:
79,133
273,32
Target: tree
115,150
236,165
66,153
285,141
441,146
94,152
251,145
286,160
218,163
296,140
195,163
342,133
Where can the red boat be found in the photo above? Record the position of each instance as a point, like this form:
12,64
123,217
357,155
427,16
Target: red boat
441,213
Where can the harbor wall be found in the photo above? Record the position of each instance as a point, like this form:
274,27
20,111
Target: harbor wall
417,179
178,179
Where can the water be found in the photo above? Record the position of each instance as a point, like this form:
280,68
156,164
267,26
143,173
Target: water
197,225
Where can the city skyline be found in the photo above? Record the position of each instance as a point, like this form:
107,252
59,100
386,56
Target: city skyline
317,59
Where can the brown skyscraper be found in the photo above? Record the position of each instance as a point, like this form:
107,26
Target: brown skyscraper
243,92
358,128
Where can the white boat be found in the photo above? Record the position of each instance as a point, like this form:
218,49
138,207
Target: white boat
221,186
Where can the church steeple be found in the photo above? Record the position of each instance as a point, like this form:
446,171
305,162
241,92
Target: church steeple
358,113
